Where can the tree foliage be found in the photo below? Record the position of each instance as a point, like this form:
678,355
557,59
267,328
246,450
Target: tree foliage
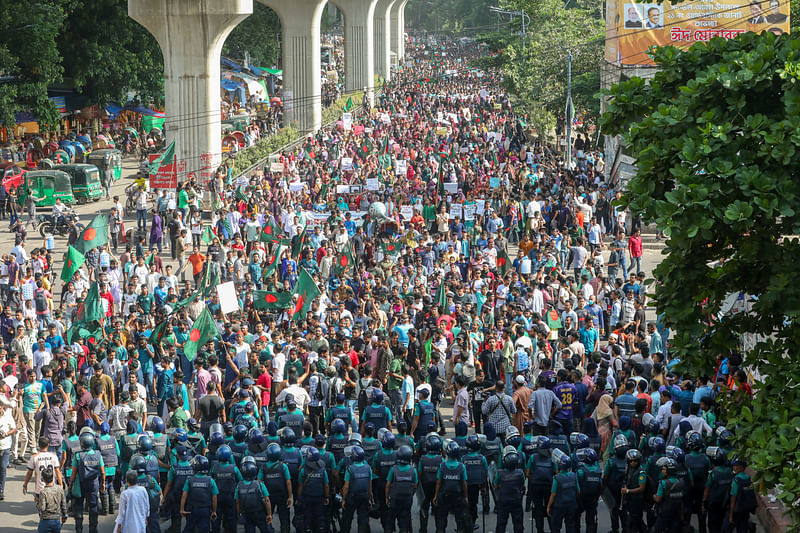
460,16
258,35
715,134
541,79
29,58
108,54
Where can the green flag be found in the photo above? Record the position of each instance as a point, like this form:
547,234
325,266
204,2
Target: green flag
167,157
90,311
203,330
186,301
503,261
390,248
72,263
441,299
553,320
306,291
270,233
428,350
149,259
272,262
94,235
240,194
297,244
349,104
208,236
271,300
158,332
210,282
345,260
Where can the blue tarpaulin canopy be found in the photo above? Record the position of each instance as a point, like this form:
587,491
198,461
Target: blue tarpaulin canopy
113,110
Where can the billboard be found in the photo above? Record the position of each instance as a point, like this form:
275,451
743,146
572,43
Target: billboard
632,28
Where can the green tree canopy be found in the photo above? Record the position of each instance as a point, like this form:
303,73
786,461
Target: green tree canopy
715,134
257,35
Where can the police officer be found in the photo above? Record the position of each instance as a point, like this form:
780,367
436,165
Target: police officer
278,481
272,434
377,414
216,439
313,491
401,482
197,442
558,441
540,473
128,445
492,447
451,490
150,484
238,445
290,455
509,486
743,499
88,469
337,439
564,493
238,408
477,474
382,464
681,472
427,470
144,450
370,444
633,492
256,447
461,437
717,489
614,478
293,418
69,447
424,413
179,472
403,438
357,492
699,465
577,441
227,477
160,448
109,449
669,497
201,492
339,412
590,480
249,418
252,501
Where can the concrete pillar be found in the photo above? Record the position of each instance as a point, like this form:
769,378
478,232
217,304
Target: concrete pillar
191,34
402,44
359,44
398,29
302,86
383,35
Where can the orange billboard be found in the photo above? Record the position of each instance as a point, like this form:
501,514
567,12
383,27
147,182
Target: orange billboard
632,28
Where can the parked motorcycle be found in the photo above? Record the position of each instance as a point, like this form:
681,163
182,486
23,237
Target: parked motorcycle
47,224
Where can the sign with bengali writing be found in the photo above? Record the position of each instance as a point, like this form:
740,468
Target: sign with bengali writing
632,28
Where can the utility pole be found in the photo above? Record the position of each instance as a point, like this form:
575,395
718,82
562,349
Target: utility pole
569,108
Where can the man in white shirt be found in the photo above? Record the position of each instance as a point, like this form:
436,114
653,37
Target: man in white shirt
42,356
38,462
7,429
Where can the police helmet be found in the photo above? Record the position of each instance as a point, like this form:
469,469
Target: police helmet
156,425
311,454
181,435
402,427
138,464
200,463
511,460
273,452
564,462
272,428
319,440
249,407
670,464
718,456
433,444
633,455
694,441
676,454
287,436
291,405
217,439
656,444
87,441
145,444
541,444
227,428
453,450
357,454
587,456
388,440
354,439
621,443
105,429
249,459
255,436
193,424
654,428
511,431
377,396
578,440
224,454
182,452
404,455
473,443
240,433
249,471
514,440
369,429
724,438
647,419
338,426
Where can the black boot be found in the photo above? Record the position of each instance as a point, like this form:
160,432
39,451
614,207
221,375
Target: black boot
92,522
111,501
101,504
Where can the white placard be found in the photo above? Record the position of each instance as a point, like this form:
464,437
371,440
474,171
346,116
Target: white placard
347,163
407,211
342,189
347,121
466,113
480,206
455,211
276,166
228,301
400,167
385,118
373,184
452,117
296,186
451,188
439,116
469,212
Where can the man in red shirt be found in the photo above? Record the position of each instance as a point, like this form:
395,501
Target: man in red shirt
82,402
264,383
635,251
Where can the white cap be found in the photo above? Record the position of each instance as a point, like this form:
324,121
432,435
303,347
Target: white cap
520,380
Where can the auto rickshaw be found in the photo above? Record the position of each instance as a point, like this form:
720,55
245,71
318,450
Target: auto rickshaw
229,144
61,157
47,185
85,180
239,137
85,140
109,160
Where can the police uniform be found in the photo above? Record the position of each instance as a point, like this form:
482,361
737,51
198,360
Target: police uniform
294,420
196,441
161,451
275,474
200,490
509,487
477,476
672,491
227,477
699,465
313,484
150,484
590,480
292,458
378,414
427,470
176,479
743,506
401,479
450,497
250,496
382,464
540,481
341,412
109,449
426,413
85,490
127,448
358,475
614,476
336,445
238,451
633,504
653,472
371,446
566,488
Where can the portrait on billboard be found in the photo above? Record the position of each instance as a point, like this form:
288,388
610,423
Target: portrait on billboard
633,16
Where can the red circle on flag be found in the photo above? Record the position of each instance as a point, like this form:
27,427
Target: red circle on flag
268,230
270,298
89,234
91,340
390,248
194,335
343,260
69,263
501,261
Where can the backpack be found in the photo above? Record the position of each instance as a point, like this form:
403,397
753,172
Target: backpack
319,394
40,301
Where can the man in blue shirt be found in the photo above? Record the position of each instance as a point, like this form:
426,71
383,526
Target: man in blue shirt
589,337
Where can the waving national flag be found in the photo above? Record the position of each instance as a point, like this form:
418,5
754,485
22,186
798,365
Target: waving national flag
203,330
345,260
271,300
165,159
270,233
306,291
503,261
72,263
94,235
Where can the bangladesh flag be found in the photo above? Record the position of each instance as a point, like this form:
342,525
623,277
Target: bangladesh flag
91,334
159,332
503,261
203,330
553,320
271,300
208,236
390,249
270,233
94,235
167,158
240,194
272,262
441,299
349,104
297,244
306,291
210,282
90,312
72,263
345,260
186,301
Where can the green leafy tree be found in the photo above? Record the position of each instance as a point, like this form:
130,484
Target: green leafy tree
108,54
258,35
29,58
716,142
464,17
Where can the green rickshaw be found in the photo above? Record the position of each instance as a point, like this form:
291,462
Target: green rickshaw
86,183
107,160
48,185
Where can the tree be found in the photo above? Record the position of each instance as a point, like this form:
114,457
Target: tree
716,142
257,35
540,80
108,54
29,59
